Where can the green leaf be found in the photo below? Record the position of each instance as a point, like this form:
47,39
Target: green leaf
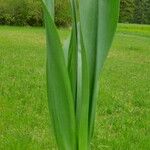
73,51
50,6
66,45
79,76
98,24
60,98
82,107
73,74
72,63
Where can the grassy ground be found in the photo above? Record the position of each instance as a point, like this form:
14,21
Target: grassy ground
123,111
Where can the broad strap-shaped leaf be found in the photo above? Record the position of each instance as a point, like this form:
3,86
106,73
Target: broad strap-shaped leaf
78,71
50,6
98,22
82,107
78,63
72,63
60,98
73,75
73,51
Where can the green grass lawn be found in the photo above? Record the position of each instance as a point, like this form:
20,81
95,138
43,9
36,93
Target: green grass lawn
123,111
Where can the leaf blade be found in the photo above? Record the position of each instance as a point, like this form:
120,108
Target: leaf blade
60,97
98,22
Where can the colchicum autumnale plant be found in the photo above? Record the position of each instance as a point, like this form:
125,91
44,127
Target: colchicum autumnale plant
73,71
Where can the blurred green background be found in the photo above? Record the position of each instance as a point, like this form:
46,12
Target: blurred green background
29,12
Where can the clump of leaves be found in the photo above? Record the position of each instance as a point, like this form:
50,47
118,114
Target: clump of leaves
73,71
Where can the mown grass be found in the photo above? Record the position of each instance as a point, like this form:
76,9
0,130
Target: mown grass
123,111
